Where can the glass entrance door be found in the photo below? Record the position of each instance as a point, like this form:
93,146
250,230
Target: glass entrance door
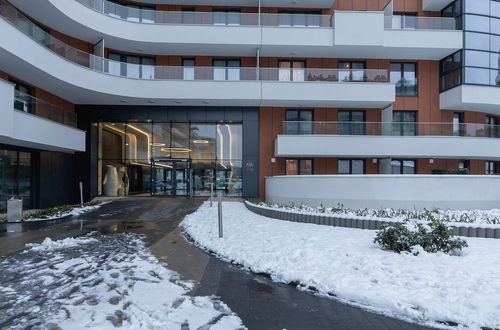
170,177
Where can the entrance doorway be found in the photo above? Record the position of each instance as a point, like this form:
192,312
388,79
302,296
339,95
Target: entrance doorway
170,177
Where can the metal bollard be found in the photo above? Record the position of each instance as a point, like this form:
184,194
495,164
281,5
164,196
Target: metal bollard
211,193
221,234
81,193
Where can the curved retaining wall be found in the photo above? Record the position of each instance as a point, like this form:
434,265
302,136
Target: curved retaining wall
456,192
339,221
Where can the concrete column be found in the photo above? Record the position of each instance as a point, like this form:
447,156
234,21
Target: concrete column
387,121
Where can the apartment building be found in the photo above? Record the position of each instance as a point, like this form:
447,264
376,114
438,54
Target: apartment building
171,98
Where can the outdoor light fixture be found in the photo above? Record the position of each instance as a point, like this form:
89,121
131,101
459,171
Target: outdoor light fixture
178,102
431,161
124,101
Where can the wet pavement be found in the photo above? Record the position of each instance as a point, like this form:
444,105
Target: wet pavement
256,299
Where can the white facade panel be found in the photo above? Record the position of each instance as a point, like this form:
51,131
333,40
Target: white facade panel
386,191
472,98
454,147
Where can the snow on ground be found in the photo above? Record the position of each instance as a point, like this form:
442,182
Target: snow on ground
101,282
74,212
345,263
486,218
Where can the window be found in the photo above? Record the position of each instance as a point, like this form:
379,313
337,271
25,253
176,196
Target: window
298,122
491,129
226,17
15,177
299,167
131,66
451,71
23,97
400,166
226,69
404,75
351,166
490,167
188,69
458,127
188,16
299,19
351,122
291,70
404,123
463,165
352,71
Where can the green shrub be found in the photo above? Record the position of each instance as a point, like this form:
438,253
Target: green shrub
433,237
461,171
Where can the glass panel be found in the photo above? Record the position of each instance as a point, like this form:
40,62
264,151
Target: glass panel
139,142
203,176
477,41
358,166
219,70
477,7
344,166
229,142
133,66
188,16
233,18
161,140
284,71
203,141
408,167
112,141
306,167
396,167
298,70
24,178
219,18
180,140
292,167
477,76
477,58
285,19
188,69
477,23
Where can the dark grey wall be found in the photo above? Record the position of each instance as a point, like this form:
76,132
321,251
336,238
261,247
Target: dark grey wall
248,116
55,179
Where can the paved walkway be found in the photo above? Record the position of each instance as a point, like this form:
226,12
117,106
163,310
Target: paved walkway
258,301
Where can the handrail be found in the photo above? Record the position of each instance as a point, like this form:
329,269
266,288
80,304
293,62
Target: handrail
30,104
404,22
230,18
390,129
155,72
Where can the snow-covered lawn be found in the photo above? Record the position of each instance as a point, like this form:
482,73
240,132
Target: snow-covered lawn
345,263
101,282
483,217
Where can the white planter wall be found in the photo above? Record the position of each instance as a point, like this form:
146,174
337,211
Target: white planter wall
387,191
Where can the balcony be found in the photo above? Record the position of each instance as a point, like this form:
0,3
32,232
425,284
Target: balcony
33,123
385,140
472,98
243,3
345,35
83,78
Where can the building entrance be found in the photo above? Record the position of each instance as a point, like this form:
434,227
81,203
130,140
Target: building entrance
170,177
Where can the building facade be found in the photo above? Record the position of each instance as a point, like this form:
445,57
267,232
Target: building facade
173,98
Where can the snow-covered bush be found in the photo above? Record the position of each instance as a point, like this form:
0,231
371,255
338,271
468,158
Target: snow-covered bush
434,236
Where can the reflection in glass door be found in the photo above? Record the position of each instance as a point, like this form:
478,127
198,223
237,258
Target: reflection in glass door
171,177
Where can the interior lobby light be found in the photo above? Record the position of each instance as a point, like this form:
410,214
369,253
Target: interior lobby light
201,141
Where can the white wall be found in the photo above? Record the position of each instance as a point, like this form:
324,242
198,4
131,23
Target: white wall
387,146
387,191
472,98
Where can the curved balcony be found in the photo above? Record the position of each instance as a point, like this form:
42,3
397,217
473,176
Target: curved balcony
241,34
385,140
85,78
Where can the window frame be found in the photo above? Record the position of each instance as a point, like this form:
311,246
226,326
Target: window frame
299,166
402,79
401,166
351,161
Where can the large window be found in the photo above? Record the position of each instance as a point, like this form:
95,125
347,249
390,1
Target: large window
131,66
479,62
400,166
299,19
126,151
351,122
291,70
226,69
351,166
404,75
404,123
15,177
226,17
298,122
299,167
352,71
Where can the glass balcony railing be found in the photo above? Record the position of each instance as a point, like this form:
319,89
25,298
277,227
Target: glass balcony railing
403,22
390,129
29,104
152,72
230,18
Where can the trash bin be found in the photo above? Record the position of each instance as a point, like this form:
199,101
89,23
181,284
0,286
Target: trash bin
14,210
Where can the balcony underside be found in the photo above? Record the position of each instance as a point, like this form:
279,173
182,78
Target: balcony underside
79,21
472,98
435,5
451,147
